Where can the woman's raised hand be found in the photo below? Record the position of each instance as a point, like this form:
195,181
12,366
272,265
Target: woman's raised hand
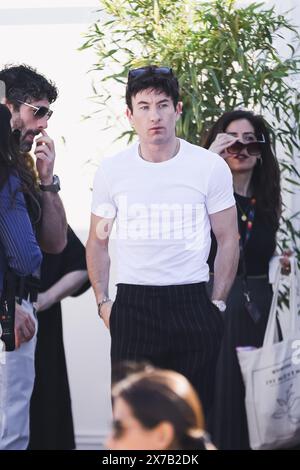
221,143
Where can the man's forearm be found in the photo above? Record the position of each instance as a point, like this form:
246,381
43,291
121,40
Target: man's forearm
98,263
225,268
66,286
52,236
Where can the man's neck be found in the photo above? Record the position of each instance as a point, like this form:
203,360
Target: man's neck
241,183
158,153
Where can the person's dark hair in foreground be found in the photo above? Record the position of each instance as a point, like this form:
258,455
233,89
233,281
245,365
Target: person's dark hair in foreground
157,409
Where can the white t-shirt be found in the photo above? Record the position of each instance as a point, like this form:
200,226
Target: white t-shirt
161,209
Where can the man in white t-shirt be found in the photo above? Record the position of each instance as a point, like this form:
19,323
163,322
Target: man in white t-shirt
165,195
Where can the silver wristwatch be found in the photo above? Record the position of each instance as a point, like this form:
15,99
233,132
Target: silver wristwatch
103,301
220,304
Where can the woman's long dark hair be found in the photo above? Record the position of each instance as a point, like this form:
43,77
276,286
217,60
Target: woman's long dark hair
12,162
265,179
158,395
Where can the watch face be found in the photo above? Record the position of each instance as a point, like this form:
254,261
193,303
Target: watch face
56,181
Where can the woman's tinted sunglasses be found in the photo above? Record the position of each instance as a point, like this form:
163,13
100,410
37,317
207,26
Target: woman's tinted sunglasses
253,148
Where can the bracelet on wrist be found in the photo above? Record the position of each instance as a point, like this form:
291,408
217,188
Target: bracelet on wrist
102,302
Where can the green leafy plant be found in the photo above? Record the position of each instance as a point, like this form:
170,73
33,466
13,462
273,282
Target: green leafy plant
224,56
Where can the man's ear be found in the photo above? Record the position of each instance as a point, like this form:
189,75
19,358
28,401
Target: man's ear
165,435
129,116
179,109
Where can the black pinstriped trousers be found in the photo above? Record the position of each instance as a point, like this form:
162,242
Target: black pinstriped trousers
173,327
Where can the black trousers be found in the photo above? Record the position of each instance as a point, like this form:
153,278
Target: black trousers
229,427
172,327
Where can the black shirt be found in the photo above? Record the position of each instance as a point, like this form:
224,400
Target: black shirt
260,246
51,423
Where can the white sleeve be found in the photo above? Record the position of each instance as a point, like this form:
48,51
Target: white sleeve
102,202
273,266
220,188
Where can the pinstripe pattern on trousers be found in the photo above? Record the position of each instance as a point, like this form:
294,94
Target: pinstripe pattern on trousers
174,327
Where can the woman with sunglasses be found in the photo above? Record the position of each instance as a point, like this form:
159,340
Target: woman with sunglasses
157,409
19,252
18,246
243,140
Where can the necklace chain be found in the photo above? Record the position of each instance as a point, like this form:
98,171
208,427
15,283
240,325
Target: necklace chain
245,213
247,216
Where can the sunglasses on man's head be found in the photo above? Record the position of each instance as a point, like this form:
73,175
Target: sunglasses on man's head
136,73
40,111
253,148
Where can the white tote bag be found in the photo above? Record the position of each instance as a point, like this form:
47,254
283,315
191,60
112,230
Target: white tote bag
272,379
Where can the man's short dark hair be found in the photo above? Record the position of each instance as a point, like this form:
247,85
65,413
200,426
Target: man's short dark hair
162,82
24,83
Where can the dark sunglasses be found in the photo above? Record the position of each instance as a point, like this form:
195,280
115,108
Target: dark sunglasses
40,111
135,73
253,148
